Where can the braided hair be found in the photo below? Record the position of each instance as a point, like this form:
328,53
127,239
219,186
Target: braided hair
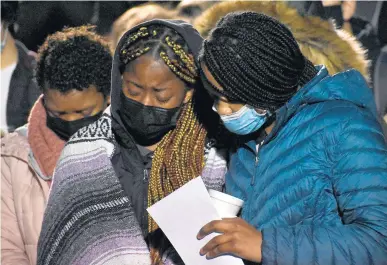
256,60
177,158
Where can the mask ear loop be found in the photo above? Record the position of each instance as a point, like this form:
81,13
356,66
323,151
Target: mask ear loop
235,115
265,112
270,117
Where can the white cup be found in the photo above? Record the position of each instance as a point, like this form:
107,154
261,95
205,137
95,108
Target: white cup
226,205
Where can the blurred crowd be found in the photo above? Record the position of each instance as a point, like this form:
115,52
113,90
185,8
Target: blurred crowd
62,65
353,42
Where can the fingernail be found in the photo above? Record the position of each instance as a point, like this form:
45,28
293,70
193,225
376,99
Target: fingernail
202,252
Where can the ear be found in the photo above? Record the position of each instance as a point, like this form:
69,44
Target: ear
188,95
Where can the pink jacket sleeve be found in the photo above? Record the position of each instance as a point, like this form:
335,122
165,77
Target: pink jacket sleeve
12,245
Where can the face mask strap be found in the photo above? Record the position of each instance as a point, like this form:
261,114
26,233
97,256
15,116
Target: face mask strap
235,115
266,113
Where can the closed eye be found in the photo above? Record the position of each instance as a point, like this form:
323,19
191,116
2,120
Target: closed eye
158,90
86,112
133,93
133,89
163,100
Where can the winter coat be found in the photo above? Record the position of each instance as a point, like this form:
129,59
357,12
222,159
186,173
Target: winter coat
317,186
23,200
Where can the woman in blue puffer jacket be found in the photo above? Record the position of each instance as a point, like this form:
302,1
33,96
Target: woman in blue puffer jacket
311,164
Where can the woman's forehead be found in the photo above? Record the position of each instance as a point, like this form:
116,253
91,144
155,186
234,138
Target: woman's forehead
74,100
151,72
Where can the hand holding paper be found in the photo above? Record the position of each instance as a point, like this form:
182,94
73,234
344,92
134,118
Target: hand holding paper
181,215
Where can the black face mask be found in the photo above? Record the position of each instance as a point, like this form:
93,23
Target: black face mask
147,124
65,129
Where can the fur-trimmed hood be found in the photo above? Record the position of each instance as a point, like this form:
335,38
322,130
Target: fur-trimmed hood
319,40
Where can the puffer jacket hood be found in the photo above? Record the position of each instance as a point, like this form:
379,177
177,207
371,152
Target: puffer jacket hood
319,40
346,86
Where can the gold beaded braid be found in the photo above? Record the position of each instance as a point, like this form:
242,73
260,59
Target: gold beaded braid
185,70
178,158
188,60
136,53
142,32
134,37
175,69
127,54
182,68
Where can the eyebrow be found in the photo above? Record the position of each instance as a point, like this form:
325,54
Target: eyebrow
157,89
134,83
66,112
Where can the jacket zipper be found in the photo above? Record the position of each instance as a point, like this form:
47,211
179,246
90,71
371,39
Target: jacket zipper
145,215
145,175
34,165
256,163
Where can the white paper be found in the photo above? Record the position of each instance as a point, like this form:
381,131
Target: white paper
181,215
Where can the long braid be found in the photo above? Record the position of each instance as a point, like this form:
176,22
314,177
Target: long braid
179,157
256,60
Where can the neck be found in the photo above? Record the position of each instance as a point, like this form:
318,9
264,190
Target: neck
347,27
152,147
9,53
308,74
270,128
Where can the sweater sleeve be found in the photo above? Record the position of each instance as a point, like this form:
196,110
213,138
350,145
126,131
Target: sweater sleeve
359,180
12,244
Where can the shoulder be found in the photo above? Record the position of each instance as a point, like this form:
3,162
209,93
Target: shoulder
14,160
15,145
334,114
26,57
361,129
349,115
341,125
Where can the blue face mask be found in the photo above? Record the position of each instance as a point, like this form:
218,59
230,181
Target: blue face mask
245,121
